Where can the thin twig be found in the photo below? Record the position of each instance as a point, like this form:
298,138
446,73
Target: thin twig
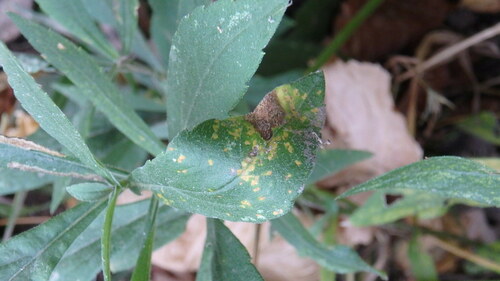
450,52
465,254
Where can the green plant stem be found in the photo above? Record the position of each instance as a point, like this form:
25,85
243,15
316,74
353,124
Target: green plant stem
106,235
15,210
143,266
345,34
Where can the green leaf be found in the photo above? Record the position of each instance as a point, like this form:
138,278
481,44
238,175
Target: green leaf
89,192
214,53
106,235
376,211
82,260
247,168
165,19
126,15
224,257
85,73
142,269
448,177
46,113
422,265
73,16
340,259
483,125
333,161
33,255
58,193
27,156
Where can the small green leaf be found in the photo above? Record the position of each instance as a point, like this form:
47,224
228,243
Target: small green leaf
375,210
126,15
85,73
33,255
73,16
340,259
422,265
447,177
58,193
23,155
214,53
483,125
128,228
332,161
142,269
247,168
224,257
165,19
46,113
89,192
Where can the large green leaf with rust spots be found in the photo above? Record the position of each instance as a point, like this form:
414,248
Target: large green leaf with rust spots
246,168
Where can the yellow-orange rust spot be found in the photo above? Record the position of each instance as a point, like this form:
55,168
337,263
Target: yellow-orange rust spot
236,133
268,173
315,110
170,148
259,216
319,92
181,158
304,96
289,147
245,204
60,46
182,171
256,189
255,181
289,191
210,162
247,143
228,214
215,136
227,149
288,176
278,212
298,163
262,198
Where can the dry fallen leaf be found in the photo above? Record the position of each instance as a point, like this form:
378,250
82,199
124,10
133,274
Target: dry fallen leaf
361,115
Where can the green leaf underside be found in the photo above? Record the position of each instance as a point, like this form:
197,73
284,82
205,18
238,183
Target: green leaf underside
45,112
331,161
375,211
34,254
214,53
225,169
224,257
340,259
84,72
128,228
37,162
447,176
422,265
165,19
89,191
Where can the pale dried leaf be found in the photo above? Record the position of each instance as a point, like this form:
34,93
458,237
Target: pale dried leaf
8,31
361,115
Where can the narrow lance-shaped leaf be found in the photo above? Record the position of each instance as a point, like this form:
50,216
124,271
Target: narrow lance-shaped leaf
126,14
85,73
246,168
46,113
334,160
89,192
34,254
224,257
72,15
448,177
215,51
339,258
165,19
